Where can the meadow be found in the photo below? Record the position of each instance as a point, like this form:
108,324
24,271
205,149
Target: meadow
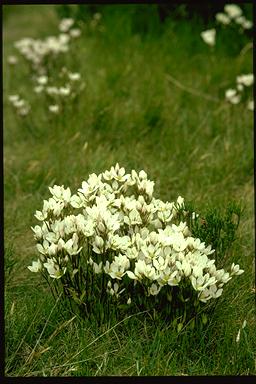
154,99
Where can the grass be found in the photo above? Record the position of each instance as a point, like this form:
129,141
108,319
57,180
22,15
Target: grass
130,112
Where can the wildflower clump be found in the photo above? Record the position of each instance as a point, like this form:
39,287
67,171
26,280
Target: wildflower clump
114,242
243,91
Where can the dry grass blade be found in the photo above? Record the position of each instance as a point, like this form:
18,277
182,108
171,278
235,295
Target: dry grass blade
103,334
191,90
33,352
57,330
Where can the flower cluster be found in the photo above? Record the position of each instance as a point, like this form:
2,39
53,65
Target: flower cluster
233,14
233,17
115,226
21,106
38,51
58,94
244,84
57,90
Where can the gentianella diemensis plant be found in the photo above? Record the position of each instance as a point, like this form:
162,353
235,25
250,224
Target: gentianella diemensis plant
114,243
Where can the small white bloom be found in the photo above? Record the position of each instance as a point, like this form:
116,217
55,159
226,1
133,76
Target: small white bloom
42,80
52,90
74,76
24,111
209,36
12,60
66,24
64,91
246,80
13,98
98,245
233,10
232,96
20,103
75,32
53,269
222,18
154,289
54,108
250,105
38,89
247,24
36,266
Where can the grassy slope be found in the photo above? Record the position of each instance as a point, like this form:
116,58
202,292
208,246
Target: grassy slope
128,113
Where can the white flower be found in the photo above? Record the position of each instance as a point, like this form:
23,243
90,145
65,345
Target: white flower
232,96
12,60
154,289
13,98
209,36
142,269
98,245
53,269
52,90
65,24
59,193
24,111
38,89
222,18
74,76
71,245
40,215
42,80
20,103
250,105
247,24
64,91
54,108
235,270
118,267
36,266
246,80
233,10
75,32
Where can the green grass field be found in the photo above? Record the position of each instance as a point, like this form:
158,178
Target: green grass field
152,101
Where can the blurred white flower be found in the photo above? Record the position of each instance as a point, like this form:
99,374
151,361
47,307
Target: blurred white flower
54,108
209,36
66,24
246,80
13,98
52,90
232,96
74,76
222,18
233,10
12,60
24,111
38,89
250,105
64,91
75,32
247,24
42,80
